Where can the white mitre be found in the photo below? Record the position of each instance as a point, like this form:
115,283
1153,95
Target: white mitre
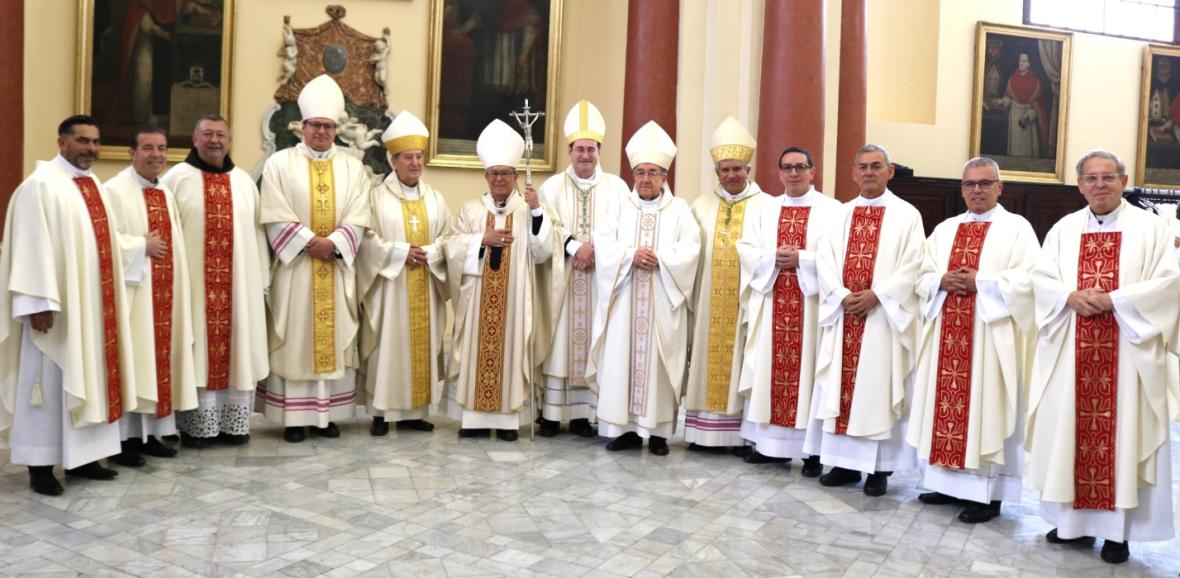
405,133
499,145
650,144
731,141
584,122
322,98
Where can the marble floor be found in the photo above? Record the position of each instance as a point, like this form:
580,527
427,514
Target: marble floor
429,504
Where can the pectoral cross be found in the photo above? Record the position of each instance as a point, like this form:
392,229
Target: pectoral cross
414,223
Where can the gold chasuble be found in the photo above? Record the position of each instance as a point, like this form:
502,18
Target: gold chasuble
859,260
952,393
723,312
323,288
788,323
1096,362
106,266
493,294
162,281
219,276
417,229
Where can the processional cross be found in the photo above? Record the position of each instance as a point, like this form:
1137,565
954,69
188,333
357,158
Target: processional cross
526,118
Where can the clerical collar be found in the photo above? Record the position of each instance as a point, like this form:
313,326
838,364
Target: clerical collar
985,216
1107,219
861,201
649,203
726,196
194,159
581,183
317,155
410,193
74,171
801,200
144,183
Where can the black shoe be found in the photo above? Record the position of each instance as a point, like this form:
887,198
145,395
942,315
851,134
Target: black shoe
42,481
1053,538
976,513
128,459
1115,552
877,484
839,477
582,428
507,435
172,438
657,445
695,447
92,471
415,425
938,499
379,427
474,433
811,467
549,428
627,441
741,451
156,449
195,443
332,431
233,439
757,458
294,434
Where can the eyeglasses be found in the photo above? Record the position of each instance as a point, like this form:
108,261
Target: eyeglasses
320,126
798,168
984,185
501,174
641,173
1106,178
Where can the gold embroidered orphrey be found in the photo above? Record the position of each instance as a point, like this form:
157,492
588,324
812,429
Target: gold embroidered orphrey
723,308
323,273
418,294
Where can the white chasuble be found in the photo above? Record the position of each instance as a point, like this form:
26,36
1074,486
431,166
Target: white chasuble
1124,491
782,307
493,291
641,318
578,207
862,389
967,415
403,306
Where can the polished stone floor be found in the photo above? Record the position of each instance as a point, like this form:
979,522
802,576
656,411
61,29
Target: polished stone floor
429,504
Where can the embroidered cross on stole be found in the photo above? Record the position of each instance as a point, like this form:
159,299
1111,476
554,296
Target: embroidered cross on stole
787,322
323,273
106,271
642,315
162,278
493,320
1096,380
219,276
859,258
418,295
723,303
952,390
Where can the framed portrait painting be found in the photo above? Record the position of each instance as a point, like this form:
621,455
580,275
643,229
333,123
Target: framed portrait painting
487,57
1157,163
1018,105
162,62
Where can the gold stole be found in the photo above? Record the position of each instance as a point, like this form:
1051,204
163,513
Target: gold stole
723,308
418,294
493,292
323,285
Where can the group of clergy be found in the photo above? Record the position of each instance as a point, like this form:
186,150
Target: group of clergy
789,326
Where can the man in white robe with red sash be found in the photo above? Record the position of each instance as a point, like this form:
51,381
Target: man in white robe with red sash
579,199
780,293
967,415
402,274
496,242
145,212
868,267
228,274
1099,410
66,363
315,208
647,264
713,416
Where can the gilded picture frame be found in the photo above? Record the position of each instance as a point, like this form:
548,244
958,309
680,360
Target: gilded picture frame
124,81
1157,159
485,58
1019,103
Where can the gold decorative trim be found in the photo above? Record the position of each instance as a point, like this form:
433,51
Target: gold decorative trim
407,143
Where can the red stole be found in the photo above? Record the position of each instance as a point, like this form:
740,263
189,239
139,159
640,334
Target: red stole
952,393
219,276
859,259
787,336
1096,366
106,269
158,221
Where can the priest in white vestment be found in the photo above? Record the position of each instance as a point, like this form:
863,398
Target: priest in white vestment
869,326
713,417
228,274
402,274
578,200
647,263
145,212
496,242
66,361
315,208
780,294
974,290
1099,409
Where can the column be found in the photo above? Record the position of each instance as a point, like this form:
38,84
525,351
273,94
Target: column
649,93
12,39
853,112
